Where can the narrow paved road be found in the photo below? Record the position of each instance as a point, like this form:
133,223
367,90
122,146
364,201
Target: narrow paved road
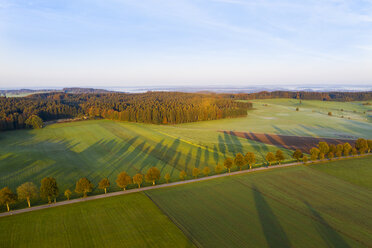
90,198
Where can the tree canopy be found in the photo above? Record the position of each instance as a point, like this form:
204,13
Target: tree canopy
27,191
49,188
84,186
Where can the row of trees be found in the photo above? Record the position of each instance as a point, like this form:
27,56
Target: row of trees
151,107
49,189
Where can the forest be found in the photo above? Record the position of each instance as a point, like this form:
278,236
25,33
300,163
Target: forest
150,107
305,95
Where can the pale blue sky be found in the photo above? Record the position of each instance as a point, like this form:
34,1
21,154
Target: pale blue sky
59,43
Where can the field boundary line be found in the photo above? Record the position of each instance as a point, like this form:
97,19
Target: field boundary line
125,192
176,223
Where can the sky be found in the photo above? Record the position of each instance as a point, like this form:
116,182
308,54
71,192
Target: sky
119,43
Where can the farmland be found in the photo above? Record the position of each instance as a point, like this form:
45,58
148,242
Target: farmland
124,221
103,148
298,206
289,207
356,171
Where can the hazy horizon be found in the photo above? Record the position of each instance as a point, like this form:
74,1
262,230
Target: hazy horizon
121,43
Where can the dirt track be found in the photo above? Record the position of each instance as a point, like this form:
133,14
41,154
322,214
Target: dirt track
62,203
289,142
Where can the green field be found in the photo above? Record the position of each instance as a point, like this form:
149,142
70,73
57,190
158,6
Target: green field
355,171
103,148
289,207
123,221
299,206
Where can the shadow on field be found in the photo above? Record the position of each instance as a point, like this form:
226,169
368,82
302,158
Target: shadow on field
221,145
330,235
273,231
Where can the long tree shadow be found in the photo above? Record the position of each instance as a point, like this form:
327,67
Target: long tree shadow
215,154
329,235
221,145
198,157
273,231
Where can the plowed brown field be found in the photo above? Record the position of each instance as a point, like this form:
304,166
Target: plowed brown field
289,142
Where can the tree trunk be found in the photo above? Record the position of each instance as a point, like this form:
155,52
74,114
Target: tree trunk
105,191
139,185
55,199
85,194
49,201
229,170
7,207
250,167
28,202
153,182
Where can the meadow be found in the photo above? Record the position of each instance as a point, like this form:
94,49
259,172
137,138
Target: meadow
289,207
103,148
123,221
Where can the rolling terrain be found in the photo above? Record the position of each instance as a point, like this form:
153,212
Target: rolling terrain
103,148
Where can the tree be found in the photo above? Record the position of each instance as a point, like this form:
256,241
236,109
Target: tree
68,193
206,171
330,113
35,122
297,155
218,169
361,145
279,156
152,175
270,157
323,147
123,180
195,172
305,159
49,189
354,151
338,153
339,149
27,191
183,175
369,142
84,186
250,159
138,179
331,155
321,156
7,197
347,149
297,109
314,153
332,148
228,163
239,161
104,184
167,177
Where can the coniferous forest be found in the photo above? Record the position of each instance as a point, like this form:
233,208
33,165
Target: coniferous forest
151,107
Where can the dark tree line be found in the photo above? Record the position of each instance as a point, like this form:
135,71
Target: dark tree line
304,95
151,107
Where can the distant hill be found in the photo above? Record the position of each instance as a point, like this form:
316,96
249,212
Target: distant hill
77,90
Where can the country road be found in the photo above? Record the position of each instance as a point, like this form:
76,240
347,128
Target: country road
90,198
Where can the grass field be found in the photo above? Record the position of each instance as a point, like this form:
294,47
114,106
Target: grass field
356,171
299,206
98,149
289,207
123,221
